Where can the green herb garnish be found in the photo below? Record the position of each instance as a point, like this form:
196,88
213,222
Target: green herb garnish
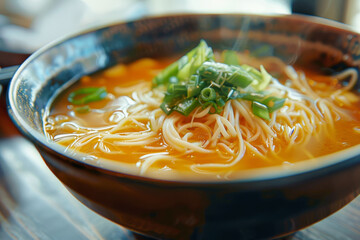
185,66
197,80
260,110
87,95
83,109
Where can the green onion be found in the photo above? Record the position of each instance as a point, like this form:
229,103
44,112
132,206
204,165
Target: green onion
87,95
173,79
195,89
186,65
260,110
83,109
167,109
223,74
252,71
255,74
208,94
220,102
227,92
263,82
274,103
196,58
164,76
186,106
197,80
172,99
252,96
209,72
177,89
240,78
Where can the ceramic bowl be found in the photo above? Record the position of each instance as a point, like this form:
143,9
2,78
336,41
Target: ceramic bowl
263,204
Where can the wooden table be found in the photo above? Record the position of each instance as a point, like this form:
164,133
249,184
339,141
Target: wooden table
35,205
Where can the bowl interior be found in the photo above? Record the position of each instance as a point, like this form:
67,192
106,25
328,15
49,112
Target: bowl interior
326,45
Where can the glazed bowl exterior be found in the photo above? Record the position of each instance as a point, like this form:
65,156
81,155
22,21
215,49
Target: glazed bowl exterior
260,206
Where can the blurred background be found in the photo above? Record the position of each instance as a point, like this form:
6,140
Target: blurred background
26,25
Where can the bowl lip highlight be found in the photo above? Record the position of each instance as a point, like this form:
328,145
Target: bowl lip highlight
254,175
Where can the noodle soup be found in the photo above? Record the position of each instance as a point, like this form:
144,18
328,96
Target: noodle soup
129,120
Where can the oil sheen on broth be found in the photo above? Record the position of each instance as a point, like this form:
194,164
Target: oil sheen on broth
319,117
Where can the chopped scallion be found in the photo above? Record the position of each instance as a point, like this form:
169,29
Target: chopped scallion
220,102
166,108
208,94
83,109
187,106
186,65
274,103
240,78
260,110
177,89
197,80
164,76
87,95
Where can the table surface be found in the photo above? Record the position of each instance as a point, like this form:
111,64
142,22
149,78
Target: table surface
35,205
